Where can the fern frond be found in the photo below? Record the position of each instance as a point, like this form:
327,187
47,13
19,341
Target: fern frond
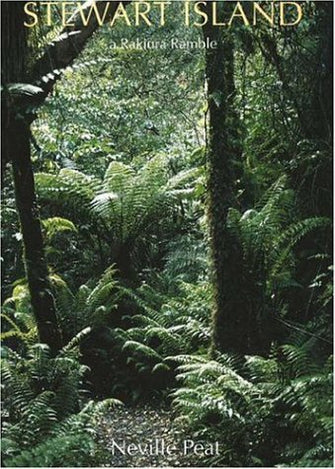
56,225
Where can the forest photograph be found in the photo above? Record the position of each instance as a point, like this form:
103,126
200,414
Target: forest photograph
167,206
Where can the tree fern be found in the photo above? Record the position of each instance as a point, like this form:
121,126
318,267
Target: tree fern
126,206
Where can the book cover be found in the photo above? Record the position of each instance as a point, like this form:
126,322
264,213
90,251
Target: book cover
167,233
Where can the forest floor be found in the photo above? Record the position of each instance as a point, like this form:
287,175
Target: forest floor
147,432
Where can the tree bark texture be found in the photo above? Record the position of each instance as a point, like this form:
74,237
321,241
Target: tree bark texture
237,317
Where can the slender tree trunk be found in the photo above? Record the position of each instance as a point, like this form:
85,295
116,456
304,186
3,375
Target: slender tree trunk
40,288
16,129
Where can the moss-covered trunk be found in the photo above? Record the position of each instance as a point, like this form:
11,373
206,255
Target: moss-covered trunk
235,325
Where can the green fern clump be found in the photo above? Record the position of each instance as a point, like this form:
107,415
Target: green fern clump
90,306
307,403
214,401
267,235
172,325
39,391
265,239
45,421
160,325
263,411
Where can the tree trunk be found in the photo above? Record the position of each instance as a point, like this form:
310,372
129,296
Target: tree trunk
16,129
40,288
233,324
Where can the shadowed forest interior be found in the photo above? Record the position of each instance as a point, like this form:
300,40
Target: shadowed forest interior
167,239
